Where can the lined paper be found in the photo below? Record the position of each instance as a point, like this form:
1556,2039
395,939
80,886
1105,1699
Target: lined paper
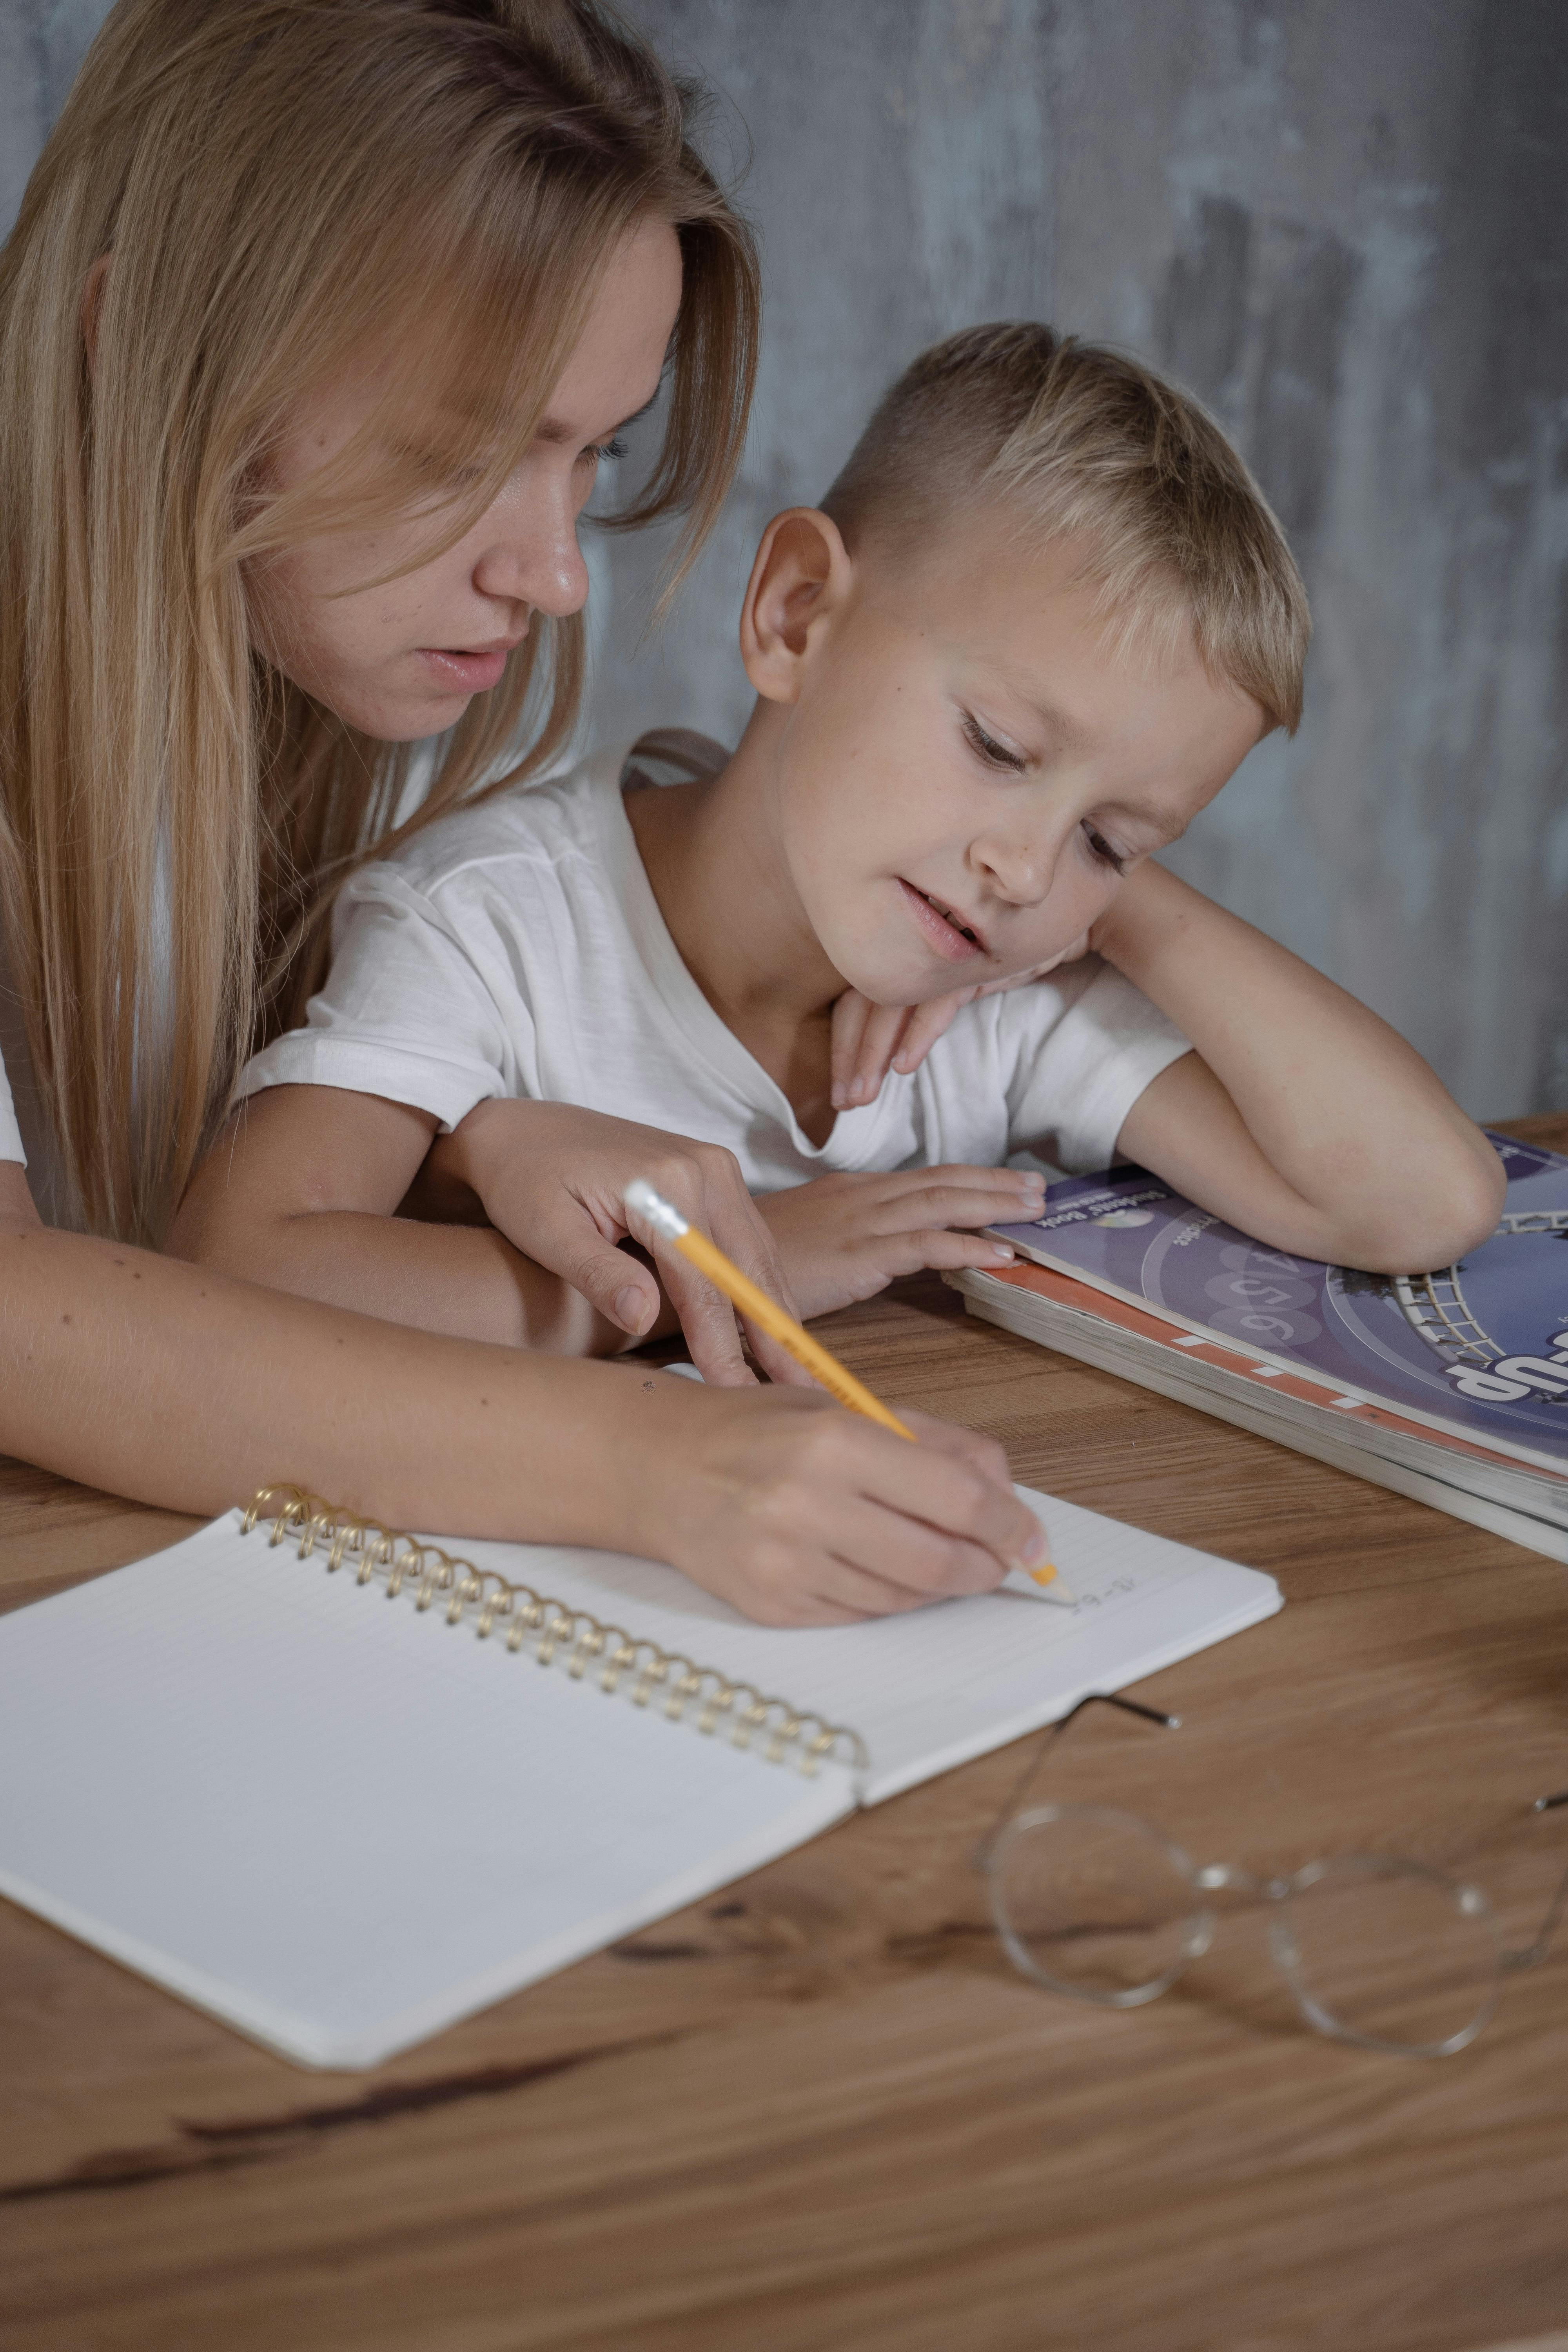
340,1823
336,1822
929,1689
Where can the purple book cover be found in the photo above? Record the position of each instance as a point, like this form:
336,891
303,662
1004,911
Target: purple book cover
1480,1348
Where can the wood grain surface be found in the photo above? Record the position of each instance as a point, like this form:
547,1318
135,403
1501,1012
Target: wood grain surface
818,2109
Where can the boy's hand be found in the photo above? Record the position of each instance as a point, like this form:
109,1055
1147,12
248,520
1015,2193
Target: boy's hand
869,1040
843,1238
802,1514
553,1179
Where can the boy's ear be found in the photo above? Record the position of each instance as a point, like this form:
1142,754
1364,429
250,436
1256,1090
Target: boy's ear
800,581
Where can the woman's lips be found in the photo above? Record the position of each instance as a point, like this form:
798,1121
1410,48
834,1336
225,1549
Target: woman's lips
944,936
470,673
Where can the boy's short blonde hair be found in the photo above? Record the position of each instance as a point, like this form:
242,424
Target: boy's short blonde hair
1080,442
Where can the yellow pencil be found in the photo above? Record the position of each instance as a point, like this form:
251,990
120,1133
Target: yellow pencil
742,1293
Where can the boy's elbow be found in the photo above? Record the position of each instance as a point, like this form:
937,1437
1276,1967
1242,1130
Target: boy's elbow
218,1227
1458,1209
221,1245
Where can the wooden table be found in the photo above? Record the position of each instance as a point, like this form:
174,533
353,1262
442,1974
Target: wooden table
819,2110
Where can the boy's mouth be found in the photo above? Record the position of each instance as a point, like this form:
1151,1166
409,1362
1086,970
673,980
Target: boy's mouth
945,928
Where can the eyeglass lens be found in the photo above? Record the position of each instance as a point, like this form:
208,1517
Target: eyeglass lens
1095,1902
1385,1953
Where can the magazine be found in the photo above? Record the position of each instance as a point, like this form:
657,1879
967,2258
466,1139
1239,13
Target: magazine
1450,1386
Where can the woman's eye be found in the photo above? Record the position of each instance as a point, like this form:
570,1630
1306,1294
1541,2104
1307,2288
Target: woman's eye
597,450
1101,851
443,473
995,754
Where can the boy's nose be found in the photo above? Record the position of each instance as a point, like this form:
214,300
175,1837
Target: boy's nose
1018,871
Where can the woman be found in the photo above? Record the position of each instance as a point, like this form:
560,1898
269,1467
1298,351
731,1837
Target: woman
317,320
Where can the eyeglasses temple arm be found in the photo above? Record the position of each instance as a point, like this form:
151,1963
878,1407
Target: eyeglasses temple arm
1534,1953
1032,1769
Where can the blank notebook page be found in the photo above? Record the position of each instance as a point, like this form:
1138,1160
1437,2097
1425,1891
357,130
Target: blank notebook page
931,1689
336,1822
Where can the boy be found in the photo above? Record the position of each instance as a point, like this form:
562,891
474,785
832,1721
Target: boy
1038,622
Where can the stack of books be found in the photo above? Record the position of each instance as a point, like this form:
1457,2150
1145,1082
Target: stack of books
1450,1387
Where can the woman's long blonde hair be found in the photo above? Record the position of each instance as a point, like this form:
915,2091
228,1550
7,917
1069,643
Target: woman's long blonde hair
278,183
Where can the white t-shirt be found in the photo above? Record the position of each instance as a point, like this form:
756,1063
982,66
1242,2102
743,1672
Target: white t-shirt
518,949
24,1131
10,1133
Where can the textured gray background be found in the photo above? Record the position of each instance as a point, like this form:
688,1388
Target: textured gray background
1343,222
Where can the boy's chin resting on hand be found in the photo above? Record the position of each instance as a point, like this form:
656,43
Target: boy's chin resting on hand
842,1238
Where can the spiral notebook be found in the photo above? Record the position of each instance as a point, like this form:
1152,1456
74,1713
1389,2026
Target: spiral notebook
341,1788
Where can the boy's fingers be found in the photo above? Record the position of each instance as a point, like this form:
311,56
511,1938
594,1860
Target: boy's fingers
958,1204
879,1030
927,1023
937,1250
934,1251
742,1231
962,1172
900,1183
850,1014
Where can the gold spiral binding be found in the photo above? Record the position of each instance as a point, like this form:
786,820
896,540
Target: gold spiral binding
556,1634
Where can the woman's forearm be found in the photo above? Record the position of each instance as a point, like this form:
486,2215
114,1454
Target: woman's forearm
1361,1154
177,1385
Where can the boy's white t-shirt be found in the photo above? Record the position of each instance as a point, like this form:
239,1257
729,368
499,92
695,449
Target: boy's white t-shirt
10,1133
517,948
24,1131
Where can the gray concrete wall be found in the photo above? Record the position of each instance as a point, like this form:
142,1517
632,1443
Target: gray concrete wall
1342,222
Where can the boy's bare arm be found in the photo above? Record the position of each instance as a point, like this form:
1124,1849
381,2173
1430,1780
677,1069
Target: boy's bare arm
302,1187
300,1193
1301,1118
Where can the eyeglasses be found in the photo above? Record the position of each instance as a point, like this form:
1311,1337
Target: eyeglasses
1379,1951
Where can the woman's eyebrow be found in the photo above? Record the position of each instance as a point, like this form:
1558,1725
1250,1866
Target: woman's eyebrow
638,413
554,430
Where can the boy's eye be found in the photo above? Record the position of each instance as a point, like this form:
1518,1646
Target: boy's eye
995,754
1101,849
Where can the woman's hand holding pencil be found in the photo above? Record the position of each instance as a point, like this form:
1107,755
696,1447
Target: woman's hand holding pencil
1018,1555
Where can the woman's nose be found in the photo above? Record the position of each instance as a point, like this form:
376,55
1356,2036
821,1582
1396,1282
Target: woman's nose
536,561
